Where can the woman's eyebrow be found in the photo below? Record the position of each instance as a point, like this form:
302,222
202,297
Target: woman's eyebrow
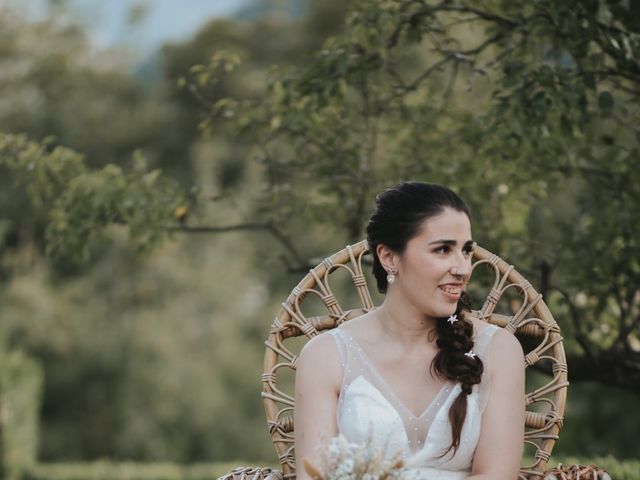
450,242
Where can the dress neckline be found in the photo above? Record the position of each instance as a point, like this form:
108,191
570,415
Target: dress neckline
436,400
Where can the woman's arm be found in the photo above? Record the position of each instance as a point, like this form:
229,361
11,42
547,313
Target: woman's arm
317,387
499,452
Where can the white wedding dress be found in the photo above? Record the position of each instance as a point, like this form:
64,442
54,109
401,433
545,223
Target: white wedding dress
369,411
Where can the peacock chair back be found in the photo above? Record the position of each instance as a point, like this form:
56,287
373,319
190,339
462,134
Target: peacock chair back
509,302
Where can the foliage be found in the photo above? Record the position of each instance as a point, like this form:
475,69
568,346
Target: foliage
122,344
592,409
142,361
103,470
259,44
79,203
496,99
20,397
119,337
619,470
59,89
56,83
527,108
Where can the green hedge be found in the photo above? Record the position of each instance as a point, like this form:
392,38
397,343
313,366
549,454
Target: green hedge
20,393
103,470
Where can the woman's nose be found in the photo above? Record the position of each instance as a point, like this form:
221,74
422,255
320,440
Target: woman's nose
461,266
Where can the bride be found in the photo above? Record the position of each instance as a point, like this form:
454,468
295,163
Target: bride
418,376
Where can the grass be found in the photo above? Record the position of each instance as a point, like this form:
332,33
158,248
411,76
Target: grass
106,470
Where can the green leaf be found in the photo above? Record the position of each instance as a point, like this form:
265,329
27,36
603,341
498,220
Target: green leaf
605,102
566,125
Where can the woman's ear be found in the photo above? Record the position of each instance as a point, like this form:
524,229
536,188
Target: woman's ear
388,258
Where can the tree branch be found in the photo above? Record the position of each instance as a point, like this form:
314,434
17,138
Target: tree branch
449,56
222,229
617,369
610,72
612,368
392,42
276,232
485,15
574,315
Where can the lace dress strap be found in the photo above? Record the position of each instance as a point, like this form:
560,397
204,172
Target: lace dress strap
482,342
340,345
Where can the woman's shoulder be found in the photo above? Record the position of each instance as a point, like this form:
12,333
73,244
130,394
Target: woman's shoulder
502,346
505,352
319,362
359,325
326,342
505,347
361,330
330,347
320,346
480,327
483,333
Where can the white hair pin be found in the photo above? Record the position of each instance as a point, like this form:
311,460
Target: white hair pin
470,354
453,319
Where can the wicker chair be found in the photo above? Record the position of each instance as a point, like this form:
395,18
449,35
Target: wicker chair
526,315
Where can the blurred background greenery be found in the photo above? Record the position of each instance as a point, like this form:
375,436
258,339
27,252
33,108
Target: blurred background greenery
156,206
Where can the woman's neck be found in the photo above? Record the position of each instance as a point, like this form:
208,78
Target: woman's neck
403,324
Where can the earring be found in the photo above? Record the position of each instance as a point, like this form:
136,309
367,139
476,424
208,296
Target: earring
391,276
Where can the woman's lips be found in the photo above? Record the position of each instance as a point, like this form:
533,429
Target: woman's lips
451,291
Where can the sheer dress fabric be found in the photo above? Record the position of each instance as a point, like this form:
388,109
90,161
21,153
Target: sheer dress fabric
370,412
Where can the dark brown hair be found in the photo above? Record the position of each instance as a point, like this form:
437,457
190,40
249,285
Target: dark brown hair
398,216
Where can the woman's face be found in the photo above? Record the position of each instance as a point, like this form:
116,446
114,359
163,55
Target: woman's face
436,264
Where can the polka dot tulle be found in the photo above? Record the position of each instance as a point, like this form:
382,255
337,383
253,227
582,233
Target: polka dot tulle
370,411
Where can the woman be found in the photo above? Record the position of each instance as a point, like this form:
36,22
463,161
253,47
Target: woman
417,375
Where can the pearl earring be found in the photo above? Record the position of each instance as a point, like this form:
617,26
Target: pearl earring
391,277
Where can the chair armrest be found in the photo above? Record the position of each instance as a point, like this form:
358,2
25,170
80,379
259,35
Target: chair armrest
253,473
576,472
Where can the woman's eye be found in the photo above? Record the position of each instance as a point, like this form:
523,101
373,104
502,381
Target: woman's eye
447,249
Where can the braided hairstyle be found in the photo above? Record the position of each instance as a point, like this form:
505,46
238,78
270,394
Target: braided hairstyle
399,214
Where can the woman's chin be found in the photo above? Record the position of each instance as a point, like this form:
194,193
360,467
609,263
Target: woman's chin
445,312
449,309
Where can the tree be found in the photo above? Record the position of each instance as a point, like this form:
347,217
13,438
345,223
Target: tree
525,108
110,327
80,203
528,108
58,89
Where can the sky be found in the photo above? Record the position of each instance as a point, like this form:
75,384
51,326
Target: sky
165,20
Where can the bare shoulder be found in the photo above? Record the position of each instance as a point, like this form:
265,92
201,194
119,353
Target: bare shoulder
505,352
502,341
321,346
504,347
506,344
361,325
319,362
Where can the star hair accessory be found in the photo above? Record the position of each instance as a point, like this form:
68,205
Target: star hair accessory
452,319
470,354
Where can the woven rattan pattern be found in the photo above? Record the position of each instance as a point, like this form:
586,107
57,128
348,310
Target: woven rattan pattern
577,472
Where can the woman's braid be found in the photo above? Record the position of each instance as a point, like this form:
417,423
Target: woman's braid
455,339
